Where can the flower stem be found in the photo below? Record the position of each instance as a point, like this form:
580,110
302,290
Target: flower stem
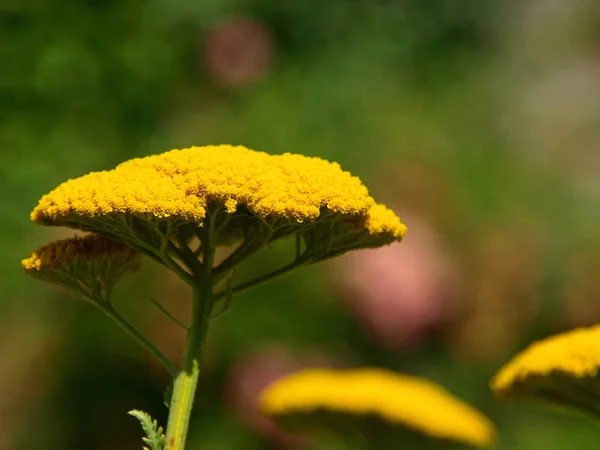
262,279
143,341
184,388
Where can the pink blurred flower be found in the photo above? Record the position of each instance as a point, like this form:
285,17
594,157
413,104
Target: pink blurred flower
238,52
251,374
399,292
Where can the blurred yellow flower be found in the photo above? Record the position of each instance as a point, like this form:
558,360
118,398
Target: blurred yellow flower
415,403
562,369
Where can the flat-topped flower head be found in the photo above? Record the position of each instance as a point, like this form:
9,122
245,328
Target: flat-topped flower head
562,369
181,183
248,196
398,401
88,265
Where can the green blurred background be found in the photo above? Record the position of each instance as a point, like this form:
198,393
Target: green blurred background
479,122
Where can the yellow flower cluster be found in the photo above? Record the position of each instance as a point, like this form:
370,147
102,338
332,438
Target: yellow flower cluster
181,184
90,261
415,403
71,251
382,220
574,354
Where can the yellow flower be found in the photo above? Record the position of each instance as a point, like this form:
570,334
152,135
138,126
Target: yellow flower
382,220
181,183
562,369
401,400
252,196
88,265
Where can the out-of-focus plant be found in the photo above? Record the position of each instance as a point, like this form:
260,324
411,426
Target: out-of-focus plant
367,408
27,354
581,290
401,292
255,371
499,288
238,52
177,208
561,370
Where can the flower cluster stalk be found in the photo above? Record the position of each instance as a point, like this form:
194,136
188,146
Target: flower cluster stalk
186,381
140,338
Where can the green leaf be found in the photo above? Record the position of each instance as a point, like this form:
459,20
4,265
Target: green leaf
155,437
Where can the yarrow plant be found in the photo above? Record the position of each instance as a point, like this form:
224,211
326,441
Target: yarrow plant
561,370
368,407
177,208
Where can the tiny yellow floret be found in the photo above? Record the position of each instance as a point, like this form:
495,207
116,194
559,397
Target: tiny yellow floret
401,400
574,354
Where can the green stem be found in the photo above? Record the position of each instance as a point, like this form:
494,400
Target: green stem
171,264
247,249
260,280
184,388
166,312
129,329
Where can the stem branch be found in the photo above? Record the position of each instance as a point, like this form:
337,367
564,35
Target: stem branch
129,329
167,313
260,280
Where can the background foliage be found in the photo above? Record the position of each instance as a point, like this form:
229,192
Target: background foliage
479,118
